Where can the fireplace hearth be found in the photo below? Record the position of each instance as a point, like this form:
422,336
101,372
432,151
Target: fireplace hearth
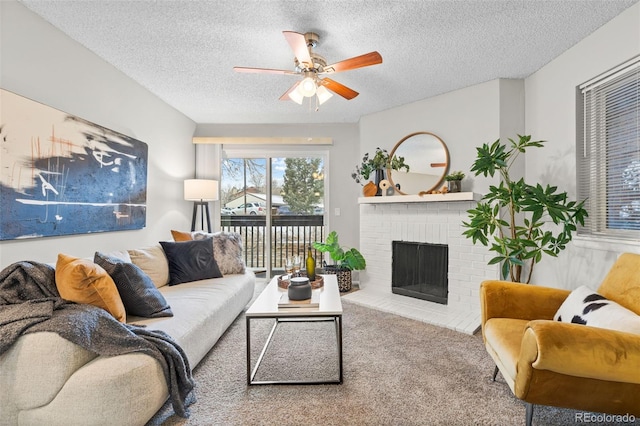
420,270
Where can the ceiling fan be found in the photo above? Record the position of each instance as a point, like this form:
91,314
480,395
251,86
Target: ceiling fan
311,66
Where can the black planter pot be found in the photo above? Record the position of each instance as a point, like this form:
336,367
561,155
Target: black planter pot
343,276
454,186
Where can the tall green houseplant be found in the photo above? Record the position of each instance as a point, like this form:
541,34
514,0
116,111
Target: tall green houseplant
518,221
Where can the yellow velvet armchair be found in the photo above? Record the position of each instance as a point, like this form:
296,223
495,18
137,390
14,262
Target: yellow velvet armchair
567,365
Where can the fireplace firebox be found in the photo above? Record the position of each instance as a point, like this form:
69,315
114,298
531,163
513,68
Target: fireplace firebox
420,270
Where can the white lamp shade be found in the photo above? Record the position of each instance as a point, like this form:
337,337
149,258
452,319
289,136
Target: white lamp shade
296,96
200,189
307,87
323,94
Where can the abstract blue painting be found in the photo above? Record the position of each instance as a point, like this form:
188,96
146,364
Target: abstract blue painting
62,175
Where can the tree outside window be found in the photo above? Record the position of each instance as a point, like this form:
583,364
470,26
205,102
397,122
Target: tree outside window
303,187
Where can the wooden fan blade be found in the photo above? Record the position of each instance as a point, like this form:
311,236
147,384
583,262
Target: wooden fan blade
298,44
371,58
338,88
262,70
285,95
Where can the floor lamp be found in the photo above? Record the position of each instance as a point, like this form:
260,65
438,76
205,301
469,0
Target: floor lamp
201,191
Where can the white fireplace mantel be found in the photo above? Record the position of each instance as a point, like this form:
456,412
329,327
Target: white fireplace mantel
427,198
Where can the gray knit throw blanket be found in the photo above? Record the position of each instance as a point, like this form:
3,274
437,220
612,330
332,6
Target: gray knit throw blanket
30,302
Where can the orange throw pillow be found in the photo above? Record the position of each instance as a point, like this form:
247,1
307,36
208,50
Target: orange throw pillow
179,236
82,281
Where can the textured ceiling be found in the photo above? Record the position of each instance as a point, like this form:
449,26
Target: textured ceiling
184,51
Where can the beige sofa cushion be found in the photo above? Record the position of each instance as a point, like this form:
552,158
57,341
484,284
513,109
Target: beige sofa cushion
202,310
153,262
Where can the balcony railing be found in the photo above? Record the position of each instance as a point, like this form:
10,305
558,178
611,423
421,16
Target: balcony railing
290,235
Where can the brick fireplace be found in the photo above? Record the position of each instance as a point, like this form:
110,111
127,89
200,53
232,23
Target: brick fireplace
434,219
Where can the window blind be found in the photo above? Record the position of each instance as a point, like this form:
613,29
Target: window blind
608,157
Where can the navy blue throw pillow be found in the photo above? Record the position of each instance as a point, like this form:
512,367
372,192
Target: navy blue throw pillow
139,295
190,260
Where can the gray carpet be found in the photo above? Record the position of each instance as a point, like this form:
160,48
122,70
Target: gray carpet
397,371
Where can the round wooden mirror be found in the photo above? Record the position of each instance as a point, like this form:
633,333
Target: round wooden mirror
428,160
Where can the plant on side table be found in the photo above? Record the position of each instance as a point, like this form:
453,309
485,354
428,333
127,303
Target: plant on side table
521,221
346,260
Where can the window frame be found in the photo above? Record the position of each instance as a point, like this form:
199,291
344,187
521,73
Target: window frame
593,160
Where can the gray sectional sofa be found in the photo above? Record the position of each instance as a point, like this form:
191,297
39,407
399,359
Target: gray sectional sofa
45,379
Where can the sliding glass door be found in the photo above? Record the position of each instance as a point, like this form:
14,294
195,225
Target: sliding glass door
297,189
276,204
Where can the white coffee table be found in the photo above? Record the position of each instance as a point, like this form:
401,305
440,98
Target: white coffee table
266,306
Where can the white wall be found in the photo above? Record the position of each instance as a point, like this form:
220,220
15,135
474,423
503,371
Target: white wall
551,115
41,63
343,191
512,119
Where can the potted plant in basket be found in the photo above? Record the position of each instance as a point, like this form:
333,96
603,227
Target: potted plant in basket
454,181
518,221
346,260
377,165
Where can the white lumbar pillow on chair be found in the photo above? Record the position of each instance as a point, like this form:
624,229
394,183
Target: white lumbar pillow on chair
585,306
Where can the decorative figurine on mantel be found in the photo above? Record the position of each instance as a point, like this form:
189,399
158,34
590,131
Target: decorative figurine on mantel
443,190
386,188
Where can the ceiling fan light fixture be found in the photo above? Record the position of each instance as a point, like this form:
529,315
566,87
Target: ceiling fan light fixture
312,67
323,94
307,87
